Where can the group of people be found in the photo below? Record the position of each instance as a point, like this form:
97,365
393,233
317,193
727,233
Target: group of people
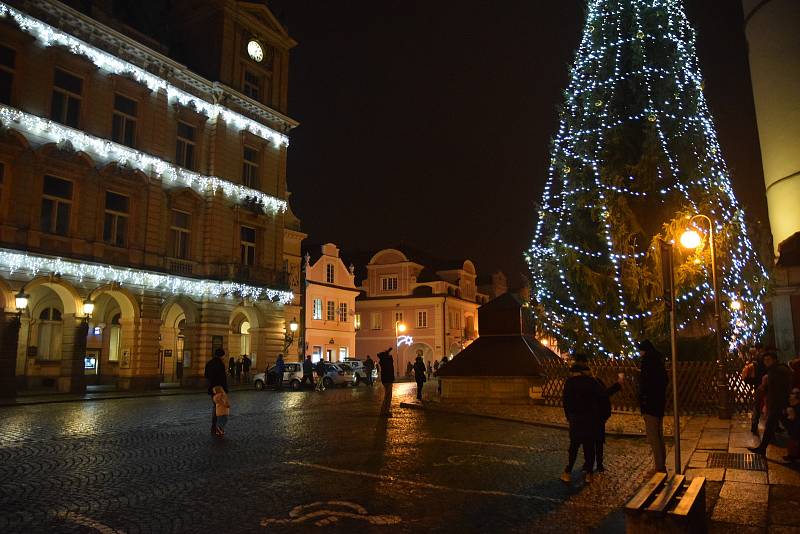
430,370
777,396
587,406
239,369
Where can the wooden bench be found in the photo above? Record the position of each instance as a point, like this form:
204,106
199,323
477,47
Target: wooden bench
664,505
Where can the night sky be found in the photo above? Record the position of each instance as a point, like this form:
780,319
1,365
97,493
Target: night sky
429,122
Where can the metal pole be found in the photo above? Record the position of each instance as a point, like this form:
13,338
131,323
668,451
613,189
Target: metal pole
722,379
673,336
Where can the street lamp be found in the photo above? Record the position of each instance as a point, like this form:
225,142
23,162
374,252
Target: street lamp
691,239
21,301
399,328
288,337
88,308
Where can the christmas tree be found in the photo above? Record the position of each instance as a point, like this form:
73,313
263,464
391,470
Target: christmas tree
635,157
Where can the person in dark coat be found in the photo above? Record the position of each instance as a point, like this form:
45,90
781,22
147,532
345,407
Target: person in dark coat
321,369
758,374
280,368
419,375
652,400
246,364
369,366
215,376
308,371
582,395
604,411
239,371
386,368
232,368
778,386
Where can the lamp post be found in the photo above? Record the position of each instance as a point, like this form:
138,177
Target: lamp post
288,337
399,328
668,277
691,240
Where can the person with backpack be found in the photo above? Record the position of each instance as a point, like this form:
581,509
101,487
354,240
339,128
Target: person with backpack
215,376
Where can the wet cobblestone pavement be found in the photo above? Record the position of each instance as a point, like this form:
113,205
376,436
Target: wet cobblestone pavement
293,462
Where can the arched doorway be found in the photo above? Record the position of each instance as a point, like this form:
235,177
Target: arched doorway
411,353
173,355
111,335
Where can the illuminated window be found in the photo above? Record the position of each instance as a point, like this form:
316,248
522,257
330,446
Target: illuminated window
56,205
398,317
185,146
357,321
7,62
114,339
49,335
115,223
318,309
123,126
65,105
375,321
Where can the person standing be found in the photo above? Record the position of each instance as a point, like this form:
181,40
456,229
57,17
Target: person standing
386,367
419,375
239,370
604,413
582,396
321,375
755,376
435,367
369,367
778,386
215,376
308,371
430,370
222,408
232,368
652,400
246,363
280,368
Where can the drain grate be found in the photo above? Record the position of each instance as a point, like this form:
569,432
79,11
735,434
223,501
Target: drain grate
737,460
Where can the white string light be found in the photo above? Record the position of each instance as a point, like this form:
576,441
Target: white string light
670,98
14,261
106,150
49,36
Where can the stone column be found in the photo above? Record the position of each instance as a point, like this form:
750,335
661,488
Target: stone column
784,326
73,352
9,339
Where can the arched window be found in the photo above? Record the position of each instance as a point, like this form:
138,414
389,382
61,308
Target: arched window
115,332
49,337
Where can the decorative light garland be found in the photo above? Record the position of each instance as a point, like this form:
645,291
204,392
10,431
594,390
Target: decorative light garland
586,119
48,36
18,261
109,151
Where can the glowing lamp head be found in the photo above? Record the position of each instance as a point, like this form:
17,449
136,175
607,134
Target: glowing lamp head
736,305
401,327
88,308
544,342
691,239
293,326
21,301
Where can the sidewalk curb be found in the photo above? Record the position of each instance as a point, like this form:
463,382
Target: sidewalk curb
559,426
111,397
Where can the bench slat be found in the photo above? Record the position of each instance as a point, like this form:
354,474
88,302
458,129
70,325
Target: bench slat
669,491
688,499
646,491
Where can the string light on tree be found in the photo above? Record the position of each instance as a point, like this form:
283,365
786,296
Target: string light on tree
636,150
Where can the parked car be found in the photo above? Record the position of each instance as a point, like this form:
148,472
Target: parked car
359,371
291,376
337,375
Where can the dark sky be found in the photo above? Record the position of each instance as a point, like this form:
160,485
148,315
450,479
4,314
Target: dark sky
428,122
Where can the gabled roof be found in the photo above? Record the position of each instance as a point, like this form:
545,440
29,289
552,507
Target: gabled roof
499,356
258,10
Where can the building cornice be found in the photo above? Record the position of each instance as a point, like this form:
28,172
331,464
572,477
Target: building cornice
333,286
35,264
39,129
148,67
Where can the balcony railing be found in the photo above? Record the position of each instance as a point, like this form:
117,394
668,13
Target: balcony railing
183,267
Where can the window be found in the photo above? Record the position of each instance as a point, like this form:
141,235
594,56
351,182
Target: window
398,317
389,283
250,168
375,320
113,339
342,354
329,273
56,205
123,126
49,336
65,106
248,245
184,148
8,58
318,309
342,312
422,319
115,224
331,315
357,321
251,85
180,234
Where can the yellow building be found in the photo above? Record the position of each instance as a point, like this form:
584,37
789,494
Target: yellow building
774,47
143,205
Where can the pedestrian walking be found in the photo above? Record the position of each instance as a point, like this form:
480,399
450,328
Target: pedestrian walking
435,367
321,375
222,408
582,396
246,364
369,367
238,370
280,367
652,400
308,371
604,412
419,375
215,376
232,369
776,389
430,370
386,367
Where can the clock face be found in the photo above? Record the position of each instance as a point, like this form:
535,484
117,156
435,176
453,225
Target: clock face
255,51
